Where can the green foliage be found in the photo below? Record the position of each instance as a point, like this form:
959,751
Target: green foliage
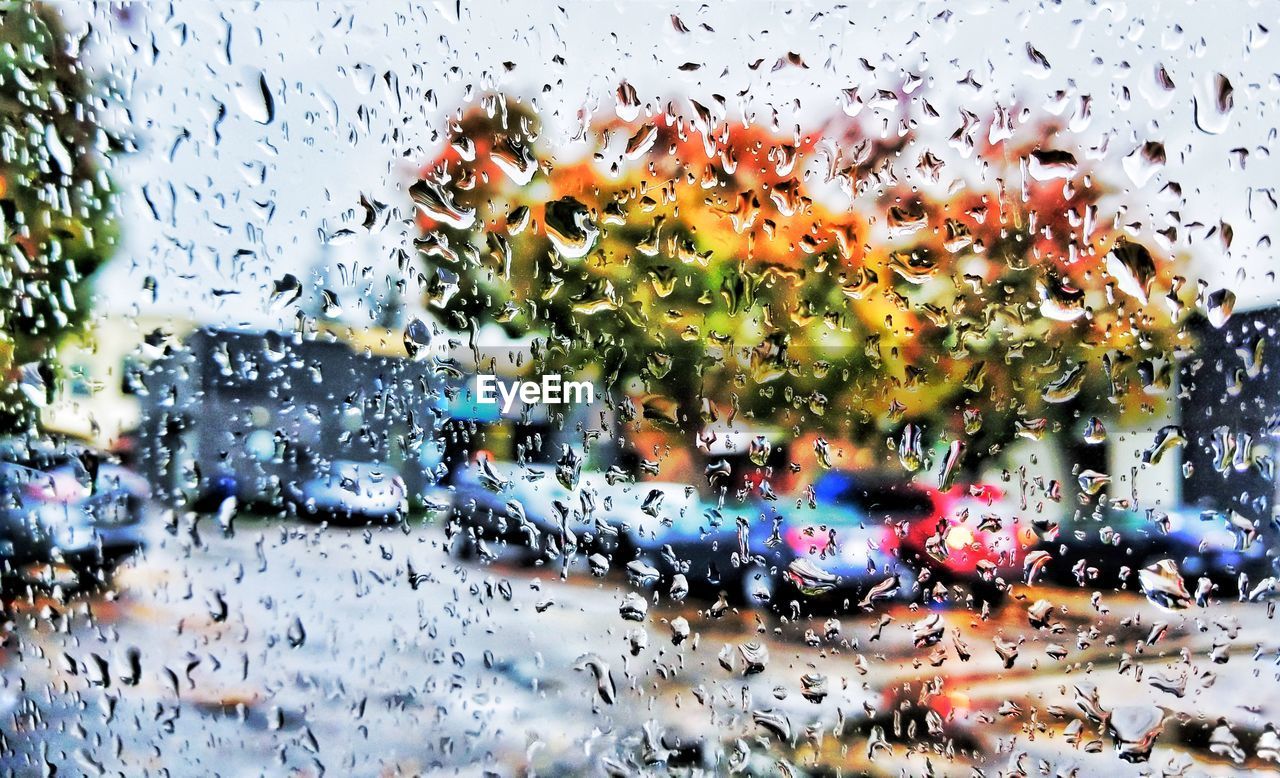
56,201
822,282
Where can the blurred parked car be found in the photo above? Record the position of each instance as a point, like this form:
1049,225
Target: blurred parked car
64,503
1220,548
524,506
503,502
879,497
825,550
1095,548
976,536
345,490
971,534
764,553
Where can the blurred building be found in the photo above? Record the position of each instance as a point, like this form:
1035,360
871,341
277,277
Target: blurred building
244,411
1230,400
241,412
97,401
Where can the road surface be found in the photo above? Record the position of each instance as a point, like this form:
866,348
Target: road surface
298,649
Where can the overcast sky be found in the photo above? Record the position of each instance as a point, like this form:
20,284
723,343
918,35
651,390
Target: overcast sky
223,198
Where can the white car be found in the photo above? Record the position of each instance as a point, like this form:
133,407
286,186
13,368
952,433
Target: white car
346,489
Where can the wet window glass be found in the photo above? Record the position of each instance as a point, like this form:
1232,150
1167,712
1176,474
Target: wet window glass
402,388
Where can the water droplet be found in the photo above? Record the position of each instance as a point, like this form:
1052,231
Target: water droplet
570,228
1049,164
755,657
641,573
759,450
1163,585
417,337
774,722
628,103
1135,728
606,688
599,564
1034,564
1219,306
911,448
1144,162
438,203
810,579
928,631
296,634
285,290
634,607
1091,481
1059,300
227,515
813,687
679,630
1214,102
515,159
1223,742
1168,438
1066,386
951,465
255,99
1133,268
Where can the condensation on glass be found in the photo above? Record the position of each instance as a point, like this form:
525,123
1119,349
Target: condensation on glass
657,388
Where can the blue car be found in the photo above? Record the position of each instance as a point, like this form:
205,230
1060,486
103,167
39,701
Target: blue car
832,552
64,516
1106,548
1220,548
525,507
767,553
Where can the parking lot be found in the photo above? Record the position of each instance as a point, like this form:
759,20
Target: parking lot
639,389
293,647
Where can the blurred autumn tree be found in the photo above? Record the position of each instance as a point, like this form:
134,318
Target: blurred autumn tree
55,200
826,282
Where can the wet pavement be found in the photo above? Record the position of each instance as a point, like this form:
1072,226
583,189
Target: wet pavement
292,648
